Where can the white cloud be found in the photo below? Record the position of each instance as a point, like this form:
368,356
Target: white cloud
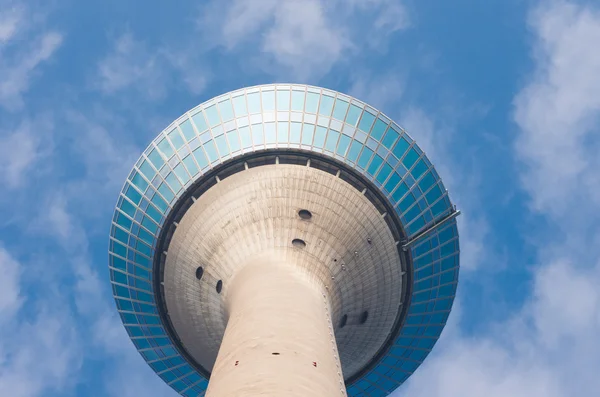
21,150
559,111
10,289
548,347
16,71
10,18
301,39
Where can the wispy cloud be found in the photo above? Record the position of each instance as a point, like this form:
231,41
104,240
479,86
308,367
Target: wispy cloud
301,40
19,59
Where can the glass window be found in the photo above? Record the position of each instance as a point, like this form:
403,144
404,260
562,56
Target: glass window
378,129
176,139
307,134
393,182
365,156
211,151
239,106
326,105
200,157
188,130
353,115
234,140
245,137
427,181
401,148
343,145
354,150
156,159
159,203
222,145
298,100
295,132
419,169
340,109
366,122
127,208
375,164
173,182
312,102
254,102
190,164
390,138
212,115
181,173
283,100
282,132
332,138
133,195
270,133
408,201
258,134
400,192
320,136
226,110
166,148
147,170
139,181
200,122
410,158
268,101
384,173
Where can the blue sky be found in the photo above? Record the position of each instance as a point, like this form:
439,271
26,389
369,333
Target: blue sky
503,95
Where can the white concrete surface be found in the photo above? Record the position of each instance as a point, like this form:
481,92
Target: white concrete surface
253,215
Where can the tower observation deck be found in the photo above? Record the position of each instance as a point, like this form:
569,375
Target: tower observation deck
284,240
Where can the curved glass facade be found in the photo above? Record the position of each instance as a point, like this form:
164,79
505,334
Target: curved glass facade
277,117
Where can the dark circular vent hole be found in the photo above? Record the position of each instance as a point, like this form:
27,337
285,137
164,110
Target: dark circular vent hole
199,272
304,214
275,354
219,286
364,316
298,243
343,321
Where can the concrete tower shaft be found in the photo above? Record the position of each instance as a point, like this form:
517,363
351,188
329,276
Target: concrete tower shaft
279,339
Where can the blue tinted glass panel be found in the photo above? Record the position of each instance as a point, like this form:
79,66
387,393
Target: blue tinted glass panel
320,135
160,203
332,139
211,151
139,181
354,150
384,173
258,134
173,182
326,105
283,100
222,145
254,102
340,109
312,102
181,173
212,115
226,110
270,132
268,100
307,134
234,140
375,164
200,122
400,148
295,132
378,129
147,169
245,137
166,148
200,157
239,106
410,158
366,122
391,184
390,138
343,145
353,114
283,132
298,100
400,192
176,139
188,130
419,169
365,156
